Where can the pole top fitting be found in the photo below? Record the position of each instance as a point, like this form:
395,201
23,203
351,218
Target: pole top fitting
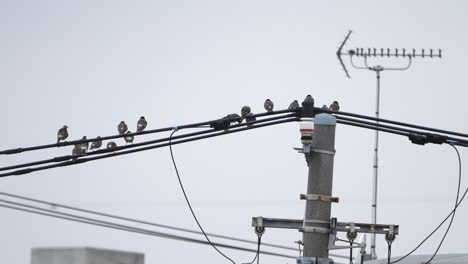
325,120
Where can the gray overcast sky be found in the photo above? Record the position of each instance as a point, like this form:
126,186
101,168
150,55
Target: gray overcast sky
91,64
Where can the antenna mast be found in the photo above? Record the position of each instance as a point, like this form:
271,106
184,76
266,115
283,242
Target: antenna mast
382,53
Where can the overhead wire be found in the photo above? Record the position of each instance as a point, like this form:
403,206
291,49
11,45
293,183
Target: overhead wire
188,201
451,214
113,154
145,132
135,145
138,221
96,222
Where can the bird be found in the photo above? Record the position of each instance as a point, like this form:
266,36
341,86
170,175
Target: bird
335,107
77,150
128,138
308,99
141,124
294,105
250,118
96,144
233,118
111,145
245,111
84,146
268,105
122,127
325,107
62,134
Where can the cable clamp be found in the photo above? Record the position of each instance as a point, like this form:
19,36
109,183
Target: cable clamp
319,197
175,128
323,151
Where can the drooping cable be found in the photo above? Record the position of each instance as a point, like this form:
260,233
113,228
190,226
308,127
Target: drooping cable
188,201
107,224
259,241
451,214
119,153
138,221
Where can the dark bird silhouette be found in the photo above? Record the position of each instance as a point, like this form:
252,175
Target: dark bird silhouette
111,145
335,107
129,138
122,127
245,111
62,134
141,124
96,144
268,105
294,105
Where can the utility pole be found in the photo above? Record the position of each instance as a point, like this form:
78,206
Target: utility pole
320,182
320,230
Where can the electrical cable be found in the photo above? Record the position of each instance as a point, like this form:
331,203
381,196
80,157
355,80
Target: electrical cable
452,213
258,249
389,251
351,252
54,204
320,110
188,202
90,221
113,154
119,148
73,142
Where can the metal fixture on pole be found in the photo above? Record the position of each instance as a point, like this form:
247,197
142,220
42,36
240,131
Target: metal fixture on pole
365,54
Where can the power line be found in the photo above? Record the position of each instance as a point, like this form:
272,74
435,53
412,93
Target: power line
452,213
188,202
194,125
54,204
96,222
113,154
135,145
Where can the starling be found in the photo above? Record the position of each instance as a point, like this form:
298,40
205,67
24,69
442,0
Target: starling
111,145
128,138
294,105
122,127
245,111
77,150
268,105
335,107
84,146
62,134
325,107
141,124
96,144
308,99
250,118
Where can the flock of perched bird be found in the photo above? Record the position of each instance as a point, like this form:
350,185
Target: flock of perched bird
122,128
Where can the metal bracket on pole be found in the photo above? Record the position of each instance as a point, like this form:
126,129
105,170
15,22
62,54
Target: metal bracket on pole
319,197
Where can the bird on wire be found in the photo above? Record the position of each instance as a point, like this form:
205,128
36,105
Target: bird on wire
325,107
308,99
77,150
96,144
268,105
294,105
128,138
62,134
245,111
122,127
84,146
335,107
111,145
141,124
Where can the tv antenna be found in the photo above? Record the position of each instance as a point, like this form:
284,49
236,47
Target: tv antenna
387,53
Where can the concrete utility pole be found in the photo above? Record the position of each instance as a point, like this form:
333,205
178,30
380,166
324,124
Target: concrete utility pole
320,181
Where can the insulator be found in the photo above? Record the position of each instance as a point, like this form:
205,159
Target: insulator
388,52
440,53
431,53
414,53
404,53
381,52
375,52
368,52
396,52
422,53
